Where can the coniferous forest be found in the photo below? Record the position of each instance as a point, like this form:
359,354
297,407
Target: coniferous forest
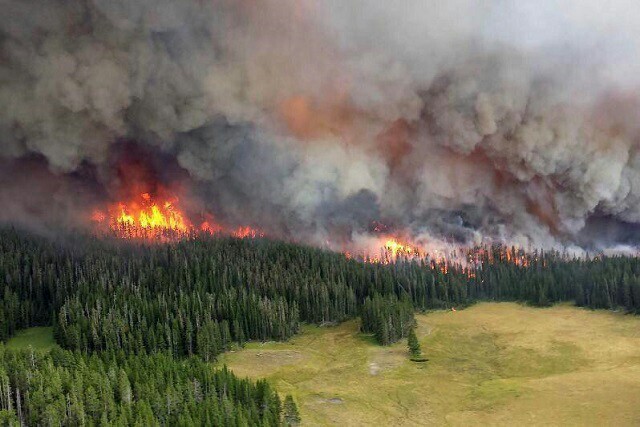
137,323
72,388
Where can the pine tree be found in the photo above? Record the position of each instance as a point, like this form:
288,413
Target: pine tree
124,388
413,344
291,414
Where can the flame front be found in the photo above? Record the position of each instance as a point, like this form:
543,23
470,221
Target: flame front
396,248
148,214
151,218
144,217
160,219
389,248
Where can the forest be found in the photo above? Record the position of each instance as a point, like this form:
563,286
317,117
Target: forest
137,323
72,388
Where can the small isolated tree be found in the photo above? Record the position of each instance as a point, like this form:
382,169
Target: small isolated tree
413,344
291,414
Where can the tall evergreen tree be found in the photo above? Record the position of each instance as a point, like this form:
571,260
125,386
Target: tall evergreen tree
413,344
291,414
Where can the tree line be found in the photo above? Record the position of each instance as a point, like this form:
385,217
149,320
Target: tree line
200,296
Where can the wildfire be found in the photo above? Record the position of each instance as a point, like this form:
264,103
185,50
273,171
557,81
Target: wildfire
247,232
160,218
144,217
149,214
389,249
152,218
443,258
396,248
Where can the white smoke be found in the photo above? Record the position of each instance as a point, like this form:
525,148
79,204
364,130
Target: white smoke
499,120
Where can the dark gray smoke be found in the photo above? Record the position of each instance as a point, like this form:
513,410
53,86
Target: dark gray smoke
459,121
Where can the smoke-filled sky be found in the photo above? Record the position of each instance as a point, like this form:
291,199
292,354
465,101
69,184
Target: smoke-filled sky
462,120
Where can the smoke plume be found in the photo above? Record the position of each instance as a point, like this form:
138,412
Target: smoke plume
461,121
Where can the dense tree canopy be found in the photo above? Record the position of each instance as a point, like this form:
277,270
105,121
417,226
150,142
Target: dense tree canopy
198,296
71,388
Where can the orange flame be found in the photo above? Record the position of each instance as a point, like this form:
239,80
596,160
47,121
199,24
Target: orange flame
149,214
396,248
247,232
144,217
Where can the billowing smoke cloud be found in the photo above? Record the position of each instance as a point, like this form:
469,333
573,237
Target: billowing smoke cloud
463,120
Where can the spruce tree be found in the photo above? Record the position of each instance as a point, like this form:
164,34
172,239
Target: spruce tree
413,344
291,414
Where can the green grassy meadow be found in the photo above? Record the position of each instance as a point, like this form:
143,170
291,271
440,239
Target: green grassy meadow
491,364
40,338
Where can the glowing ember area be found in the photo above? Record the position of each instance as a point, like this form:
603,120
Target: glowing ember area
242,232
146,217
247,232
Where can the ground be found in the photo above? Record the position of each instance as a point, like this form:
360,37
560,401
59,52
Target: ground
40,338
491,364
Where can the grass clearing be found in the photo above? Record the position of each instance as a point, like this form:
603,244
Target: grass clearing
491,364
39,337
